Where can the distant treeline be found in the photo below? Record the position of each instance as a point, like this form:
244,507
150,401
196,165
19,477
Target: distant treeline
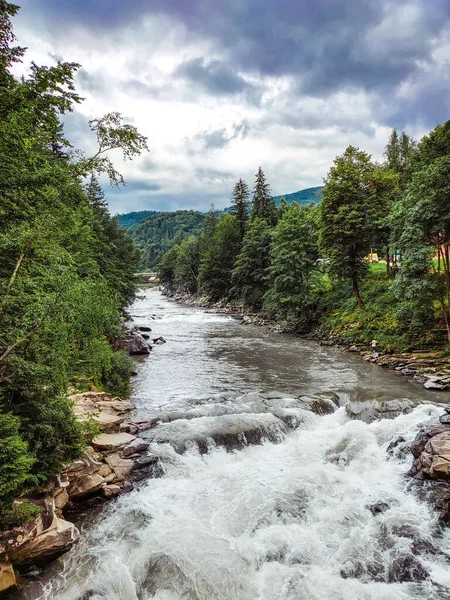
308,264
156,232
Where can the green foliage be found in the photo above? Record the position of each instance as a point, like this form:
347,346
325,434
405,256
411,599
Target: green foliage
293,272
349,211
15,462
133,218
249,272
67,270
302,197
241,205
217,260
158,233
263,206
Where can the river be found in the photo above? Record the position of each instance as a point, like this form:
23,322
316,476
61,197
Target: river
318,511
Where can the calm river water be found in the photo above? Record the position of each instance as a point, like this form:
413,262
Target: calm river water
289,519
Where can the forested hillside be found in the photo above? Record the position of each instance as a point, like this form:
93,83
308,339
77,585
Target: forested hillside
309,195
156,234
133,218
308,265
66,271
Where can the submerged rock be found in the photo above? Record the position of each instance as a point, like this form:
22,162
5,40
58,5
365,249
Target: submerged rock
136,344
371,410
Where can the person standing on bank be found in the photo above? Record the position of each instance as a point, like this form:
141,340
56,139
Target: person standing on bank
374,345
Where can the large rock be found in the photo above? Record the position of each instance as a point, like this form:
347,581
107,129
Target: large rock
47,545
122,467
85,486
136,344
109,422
371,410
41,540
7,577
115,407
112,441
135,447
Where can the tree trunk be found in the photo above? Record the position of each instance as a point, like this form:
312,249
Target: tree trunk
388,265
359,301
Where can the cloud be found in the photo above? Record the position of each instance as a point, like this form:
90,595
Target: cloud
220,88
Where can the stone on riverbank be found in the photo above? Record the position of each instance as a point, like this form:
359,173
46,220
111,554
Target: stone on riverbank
7,577
112,441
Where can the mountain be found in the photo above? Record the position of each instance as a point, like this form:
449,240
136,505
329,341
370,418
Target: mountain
313,194
132,218
156,232
159,232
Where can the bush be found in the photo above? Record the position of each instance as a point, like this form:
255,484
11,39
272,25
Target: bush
116,379
16,462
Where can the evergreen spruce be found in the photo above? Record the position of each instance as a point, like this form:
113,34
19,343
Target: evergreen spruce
263,205
241,203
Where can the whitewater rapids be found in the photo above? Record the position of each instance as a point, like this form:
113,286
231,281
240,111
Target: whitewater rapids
287,521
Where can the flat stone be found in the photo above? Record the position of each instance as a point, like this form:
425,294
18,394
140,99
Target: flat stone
109,422
7,577
112,441
121,466
118,407
136,446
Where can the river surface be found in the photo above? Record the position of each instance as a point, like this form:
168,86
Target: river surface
292,518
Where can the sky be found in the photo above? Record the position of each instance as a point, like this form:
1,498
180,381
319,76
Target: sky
221,87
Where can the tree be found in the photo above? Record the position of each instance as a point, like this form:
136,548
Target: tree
66,273
345,216
112,134
187,265
218,258
241,203
293,258
263,206
424,216
249,272
399,154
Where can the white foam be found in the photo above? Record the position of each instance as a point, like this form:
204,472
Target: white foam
271,522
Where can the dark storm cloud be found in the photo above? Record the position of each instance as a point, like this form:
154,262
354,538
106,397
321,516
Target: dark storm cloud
215,76
323,43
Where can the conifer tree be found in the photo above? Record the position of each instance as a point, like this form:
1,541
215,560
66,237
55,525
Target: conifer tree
241,204
263,205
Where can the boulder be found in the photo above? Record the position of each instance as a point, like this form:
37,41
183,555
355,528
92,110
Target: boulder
159,340
144,328
135,343
109,491
85,486
115,407
87,465
48,545
7,577
136,446
109,422
61,498
112,441
121,466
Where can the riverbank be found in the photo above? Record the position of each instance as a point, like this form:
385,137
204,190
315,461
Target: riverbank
112,461
425,367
